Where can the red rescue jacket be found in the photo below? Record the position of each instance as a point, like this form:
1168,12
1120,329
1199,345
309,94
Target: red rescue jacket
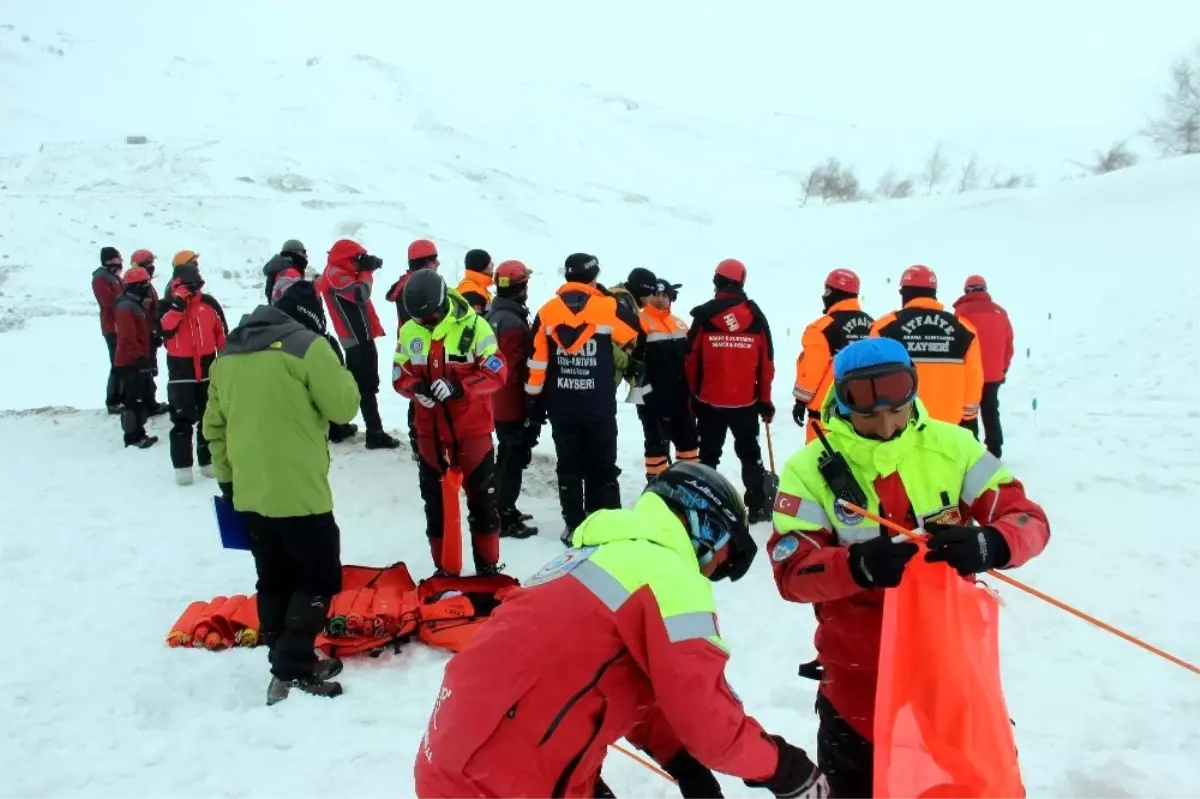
347,293
731,357
192,336
573,662
510,322
106,286
994,329
133,331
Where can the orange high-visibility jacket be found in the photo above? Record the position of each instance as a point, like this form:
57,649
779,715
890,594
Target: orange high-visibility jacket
945,350
843,323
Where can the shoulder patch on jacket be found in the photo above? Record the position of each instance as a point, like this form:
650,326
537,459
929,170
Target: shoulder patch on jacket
562,565
787,503
784,548
493,364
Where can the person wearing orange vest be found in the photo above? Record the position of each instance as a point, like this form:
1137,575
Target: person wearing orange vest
571,383
944,347
475,287
663,400
842,323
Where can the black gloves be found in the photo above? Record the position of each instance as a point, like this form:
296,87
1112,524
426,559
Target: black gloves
444,390
767,411
880,562
967,550
798,411
636,369
368,263
972,425
535,413
226,491
695,780
796,776
178,303
156,339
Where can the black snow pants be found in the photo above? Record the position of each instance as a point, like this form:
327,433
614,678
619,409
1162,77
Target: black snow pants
133,396
512,458
188,399
713,424
112,393
587,469
483,517
363,362
989,412
298,559
661,431
845,758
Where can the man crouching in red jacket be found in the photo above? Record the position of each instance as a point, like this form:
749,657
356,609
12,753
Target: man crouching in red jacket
615,638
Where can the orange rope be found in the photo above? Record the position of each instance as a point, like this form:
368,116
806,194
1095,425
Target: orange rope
643,761
1034,592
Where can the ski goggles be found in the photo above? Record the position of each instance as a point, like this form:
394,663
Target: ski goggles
888,385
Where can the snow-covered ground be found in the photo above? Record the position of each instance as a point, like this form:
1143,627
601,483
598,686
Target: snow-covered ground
405,124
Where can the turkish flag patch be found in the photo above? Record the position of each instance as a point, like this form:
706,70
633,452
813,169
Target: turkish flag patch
787,503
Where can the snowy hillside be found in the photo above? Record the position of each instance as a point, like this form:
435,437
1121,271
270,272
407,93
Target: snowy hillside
384,126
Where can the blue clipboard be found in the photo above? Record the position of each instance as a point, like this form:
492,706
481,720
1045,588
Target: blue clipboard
231,525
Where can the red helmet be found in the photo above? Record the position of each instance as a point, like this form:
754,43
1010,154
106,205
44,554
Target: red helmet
140,257
732,269
422,248
512,273
918,277
136,275
975,283
843,280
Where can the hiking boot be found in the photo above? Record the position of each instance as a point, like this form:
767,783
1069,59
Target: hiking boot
145,442
183,477
489,570
378,439
759,514
279,689
566,536
159,408
340,432
327,669
513,526
208,471
525,517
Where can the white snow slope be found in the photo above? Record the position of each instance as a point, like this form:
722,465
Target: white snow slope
399,128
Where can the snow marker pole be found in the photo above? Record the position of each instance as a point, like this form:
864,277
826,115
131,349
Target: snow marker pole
1034,592
643,761
770,446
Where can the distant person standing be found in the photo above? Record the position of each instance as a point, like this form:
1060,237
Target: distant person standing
106,286
285,269
347,285
476,284
145,259
943,347
422,254
131,359
996,340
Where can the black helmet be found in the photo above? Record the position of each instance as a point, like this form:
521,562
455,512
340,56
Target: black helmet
425,298
716,516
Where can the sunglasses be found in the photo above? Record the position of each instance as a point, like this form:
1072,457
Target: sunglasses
886,386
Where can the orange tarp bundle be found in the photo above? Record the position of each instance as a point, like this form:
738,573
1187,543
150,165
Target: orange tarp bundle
942,727
376,607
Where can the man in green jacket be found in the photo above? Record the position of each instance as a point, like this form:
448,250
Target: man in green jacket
271,397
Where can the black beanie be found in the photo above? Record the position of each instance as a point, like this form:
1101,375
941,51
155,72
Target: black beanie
581,268
188,273
641,283
108,253
301,302
478,260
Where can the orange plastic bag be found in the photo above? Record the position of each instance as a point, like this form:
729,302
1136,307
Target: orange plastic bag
942,727
451,521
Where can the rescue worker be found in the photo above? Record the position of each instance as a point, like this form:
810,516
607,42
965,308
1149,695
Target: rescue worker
106,286
447,361
913,470
616,638
194,329
996,346
285,269
664,402
145,259
422,254
730,366
571,382
346,285
944,347
842,323
271,397
131,359
476,284
509,318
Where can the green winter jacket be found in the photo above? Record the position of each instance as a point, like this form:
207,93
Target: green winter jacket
271,397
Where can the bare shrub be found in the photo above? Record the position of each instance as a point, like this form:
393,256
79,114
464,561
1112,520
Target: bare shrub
936,167
1177,131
